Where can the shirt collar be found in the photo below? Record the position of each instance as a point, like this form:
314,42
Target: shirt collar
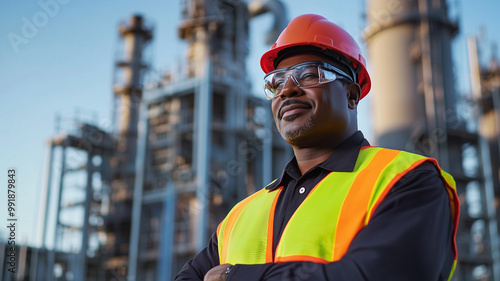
343,159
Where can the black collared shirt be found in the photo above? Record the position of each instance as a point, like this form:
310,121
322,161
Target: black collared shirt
298,186
408,238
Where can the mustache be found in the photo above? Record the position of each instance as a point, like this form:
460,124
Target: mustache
290,102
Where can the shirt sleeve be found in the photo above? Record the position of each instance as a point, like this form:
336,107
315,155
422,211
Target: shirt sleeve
409,237
196,268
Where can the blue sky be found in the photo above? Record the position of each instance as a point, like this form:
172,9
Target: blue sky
65,62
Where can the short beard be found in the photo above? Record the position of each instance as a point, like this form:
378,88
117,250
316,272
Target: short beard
295,134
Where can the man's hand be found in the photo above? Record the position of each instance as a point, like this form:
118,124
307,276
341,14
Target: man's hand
217,273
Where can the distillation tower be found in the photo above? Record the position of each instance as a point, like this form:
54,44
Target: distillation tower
136,36
416,108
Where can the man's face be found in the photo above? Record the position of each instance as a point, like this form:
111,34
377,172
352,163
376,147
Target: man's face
318,115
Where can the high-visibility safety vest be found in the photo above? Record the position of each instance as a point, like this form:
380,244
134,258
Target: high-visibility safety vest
342,204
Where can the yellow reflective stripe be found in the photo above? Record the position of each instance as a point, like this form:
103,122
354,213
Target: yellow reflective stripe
407,162
355,207
225,230
452,269
220,239
325,202
392,173
270,228
246,240
451,188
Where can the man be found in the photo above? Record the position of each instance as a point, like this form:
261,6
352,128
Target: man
341,210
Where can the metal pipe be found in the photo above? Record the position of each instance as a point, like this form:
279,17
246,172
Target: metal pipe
495,93
475,69
82,256
267,151
489,197
429,82
23,255
203,115
33,264
167,242
140,161
45,198
275,7
51,260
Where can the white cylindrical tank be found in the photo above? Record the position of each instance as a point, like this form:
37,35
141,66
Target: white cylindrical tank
409,48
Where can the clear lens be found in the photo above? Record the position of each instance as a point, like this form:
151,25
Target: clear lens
308,74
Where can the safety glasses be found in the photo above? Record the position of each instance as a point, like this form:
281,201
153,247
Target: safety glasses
304,75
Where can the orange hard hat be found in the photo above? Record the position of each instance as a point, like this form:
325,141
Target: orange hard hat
317,31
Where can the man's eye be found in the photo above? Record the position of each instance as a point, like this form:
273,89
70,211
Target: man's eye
309,76
305,72
278,83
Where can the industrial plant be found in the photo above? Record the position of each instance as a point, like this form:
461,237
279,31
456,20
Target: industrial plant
139,201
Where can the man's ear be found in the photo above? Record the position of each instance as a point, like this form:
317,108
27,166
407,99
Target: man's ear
353,94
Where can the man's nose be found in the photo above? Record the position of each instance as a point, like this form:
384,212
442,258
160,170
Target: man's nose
291,88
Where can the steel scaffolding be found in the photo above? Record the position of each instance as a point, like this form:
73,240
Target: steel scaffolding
204,141
81,171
